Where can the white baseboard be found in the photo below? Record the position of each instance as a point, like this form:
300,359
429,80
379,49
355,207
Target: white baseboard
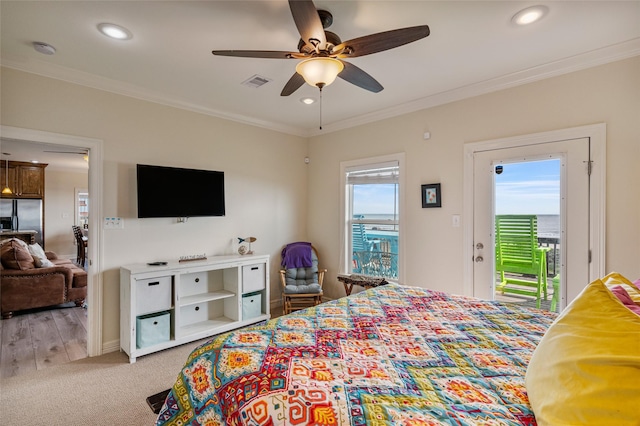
112,346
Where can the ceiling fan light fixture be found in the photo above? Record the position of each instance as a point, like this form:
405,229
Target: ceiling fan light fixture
320,71
529,15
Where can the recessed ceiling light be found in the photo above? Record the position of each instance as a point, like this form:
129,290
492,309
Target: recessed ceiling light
308,101
35,161
529,15
115,31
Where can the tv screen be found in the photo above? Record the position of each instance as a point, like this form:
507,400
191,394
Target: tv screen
176,192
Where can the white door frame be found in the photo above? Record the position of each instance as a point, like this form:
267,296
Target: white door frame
597,206
94,276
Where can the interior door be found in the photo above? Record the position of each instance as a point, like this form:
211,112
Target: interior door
574,155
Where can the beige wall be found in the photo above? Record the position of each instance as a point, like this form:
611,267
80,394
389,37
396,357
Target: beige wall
267,186
606,94
264,170
59,208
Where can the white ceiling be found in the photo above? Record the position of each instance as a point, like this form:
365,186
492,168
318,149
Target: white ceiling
57,157
473,48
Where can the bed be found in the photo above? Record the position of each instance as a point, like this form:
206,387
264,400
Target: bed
391,355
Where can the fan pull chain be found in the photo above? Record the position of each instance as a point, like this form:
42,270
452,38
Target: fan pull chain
320,107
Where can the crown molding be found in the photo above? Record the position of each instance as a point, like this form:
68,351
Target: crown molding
575,63
579,62
93,81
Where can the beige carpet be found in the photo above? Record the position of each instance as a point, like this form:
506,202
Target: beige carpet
104,390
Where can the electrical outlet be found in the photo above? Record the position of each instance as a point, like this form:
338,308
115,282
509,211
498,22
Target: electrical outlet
113,223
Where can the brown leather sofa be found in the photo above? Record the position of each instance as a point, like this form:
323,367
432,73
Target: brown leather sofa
25,286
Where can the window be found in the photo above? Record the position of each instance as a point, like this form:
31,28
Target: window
82,208
372,217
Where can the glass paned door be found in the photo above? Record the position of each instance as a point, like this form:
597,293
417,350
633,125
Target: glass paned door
574,260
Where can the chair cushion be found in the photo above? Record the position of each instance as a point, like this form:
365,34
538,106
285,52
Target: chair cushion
14,254
313,288
586,368
302,280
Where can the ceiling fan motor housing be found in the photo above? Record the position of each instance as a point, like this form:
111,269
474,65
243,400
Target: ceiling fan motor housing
326,18
332,40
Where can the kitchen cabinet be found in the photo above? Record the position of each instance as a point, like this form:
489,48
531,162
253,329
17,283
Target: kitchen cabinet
27,236
26,180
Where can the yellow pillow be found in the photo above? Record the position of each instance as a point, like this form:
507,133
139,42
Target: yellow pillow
614,279
586,368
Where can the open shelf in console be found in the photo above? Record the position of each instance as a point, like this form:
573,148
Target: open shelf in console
204,285
208,299
205,297
204,326
197,317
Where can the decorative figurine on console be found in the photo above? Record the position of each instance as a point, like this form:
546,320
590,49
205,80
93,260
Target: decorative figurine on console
243,249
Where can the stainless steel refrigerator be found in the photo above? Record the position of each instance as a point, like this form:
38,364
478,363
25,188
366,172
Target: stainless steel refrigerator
22,215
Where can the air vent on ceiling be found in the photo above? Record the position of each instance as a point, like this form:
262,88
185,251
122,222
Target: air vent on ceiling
256,81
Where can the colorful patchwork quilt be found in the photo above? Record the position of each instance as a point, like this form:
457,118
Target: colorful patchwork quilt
392,355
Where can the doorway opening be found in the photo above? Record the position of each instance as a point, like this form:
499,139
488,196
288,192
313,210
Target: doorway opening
528,238
93,153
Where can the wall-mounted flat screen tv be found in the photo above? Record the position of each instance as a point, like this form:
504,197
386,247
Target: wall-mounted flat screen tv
175,192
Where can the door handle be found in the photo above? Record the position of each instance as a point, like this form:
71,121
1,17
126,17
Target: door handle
479,259
479,246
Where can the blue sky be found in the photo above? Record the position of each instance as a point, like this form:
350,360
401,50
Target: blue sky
373,199
529,188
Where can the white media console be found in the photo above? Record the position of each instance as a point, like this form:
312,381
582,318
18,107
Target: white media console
169,305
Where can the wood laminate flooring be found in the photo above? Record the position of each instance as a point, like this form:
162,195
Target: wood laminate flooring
38,339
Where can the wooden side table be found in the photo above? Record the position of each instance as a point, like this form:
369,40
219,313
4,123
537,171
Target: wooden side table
349,280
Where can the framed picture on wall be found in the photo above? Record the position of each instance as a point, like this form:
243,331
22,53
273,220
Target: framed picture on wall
431,196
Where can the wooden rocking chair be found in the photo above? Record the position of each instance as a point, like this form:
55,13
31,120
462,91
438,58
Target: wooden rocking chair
301,286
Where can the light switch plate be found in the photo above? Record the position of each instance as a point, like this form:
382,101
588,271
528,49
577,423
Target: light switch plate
113,223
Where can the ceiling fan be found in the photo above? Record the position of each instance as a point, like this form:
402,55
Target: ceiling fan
322,52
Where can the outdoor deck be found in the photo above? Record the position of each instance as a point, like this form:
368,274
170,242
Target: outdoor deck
381,259
524,300
527,300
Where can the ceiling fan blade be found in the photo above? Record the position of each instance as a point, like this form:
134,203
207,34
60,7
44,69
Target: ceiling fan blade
292,85
68,152
307,20
379,42
355,75
270,54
